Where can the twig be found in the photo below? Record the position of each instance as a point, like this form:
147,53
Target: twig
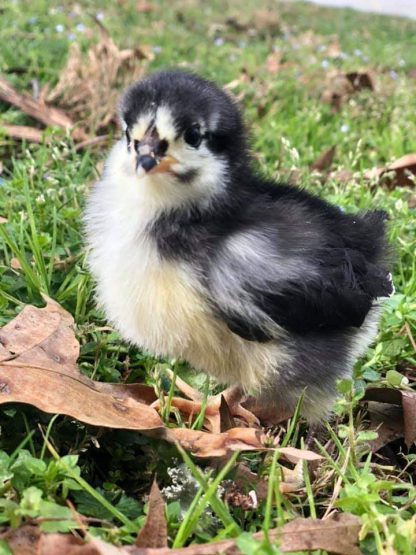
92,142
23,132
48,115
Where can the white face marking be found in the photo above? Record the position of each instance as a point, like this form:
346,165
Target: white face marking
165,124
165,189
141,126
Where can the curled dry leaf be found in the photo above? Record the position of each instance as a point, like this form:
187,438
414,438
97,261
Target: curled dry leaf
387,421
270,416
38,354
402,172
337,534
154,532
404,399
360,80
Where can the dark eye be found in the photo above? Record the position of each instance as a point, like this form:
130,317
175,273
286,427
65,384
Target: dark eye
193,136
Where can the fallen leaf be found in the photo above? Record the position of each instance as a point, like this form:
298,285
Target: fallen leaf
387,421
404,399
268,415
402,172
325,160
337,534
247,480
294,455
360,80
207,445
155,529
38,353
48,115
226,418
3,220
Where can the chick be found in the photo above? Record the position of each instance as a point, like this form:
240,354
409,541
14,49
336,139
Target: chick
198,257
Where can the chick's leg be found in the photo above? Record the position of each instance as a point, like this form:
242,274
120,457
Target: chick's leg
219,411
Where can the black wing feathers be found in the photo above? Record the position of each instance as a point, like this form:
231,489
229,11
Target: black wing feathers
350,273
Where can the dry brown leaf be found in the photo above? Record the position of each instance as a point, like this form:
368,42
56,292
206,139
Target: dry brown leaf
387,421
294,455
404,399
155,529
247,480
325,160
337,534
38,353
3,220
268,415
90,84
207,445
402,172
360,80
23,132
226,418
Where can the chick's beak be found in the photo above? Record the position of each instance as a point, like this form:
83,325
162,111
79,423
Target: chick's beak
151,154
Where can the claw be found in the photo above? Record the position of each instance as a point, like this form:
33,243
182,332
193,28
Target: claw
220,409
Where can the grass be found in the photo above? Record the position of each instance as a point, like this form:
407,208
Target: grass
45,462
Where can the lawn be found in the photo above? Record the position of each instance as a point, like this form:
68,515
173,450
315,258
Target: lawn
290,67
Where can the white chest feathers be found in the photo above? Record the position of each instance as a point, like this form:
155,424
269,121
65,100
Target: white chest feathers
159,304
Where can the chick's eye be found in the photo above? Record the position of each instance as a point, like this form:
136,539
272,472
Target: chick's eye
193,136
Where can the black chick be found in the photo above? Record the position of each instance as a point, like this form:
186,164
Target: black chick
197,257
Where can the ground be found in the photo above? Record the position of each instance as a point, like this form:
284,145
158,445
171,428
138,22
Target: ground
281,65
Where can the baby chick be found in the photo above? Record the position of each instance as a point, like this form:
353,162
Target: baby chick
198,257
